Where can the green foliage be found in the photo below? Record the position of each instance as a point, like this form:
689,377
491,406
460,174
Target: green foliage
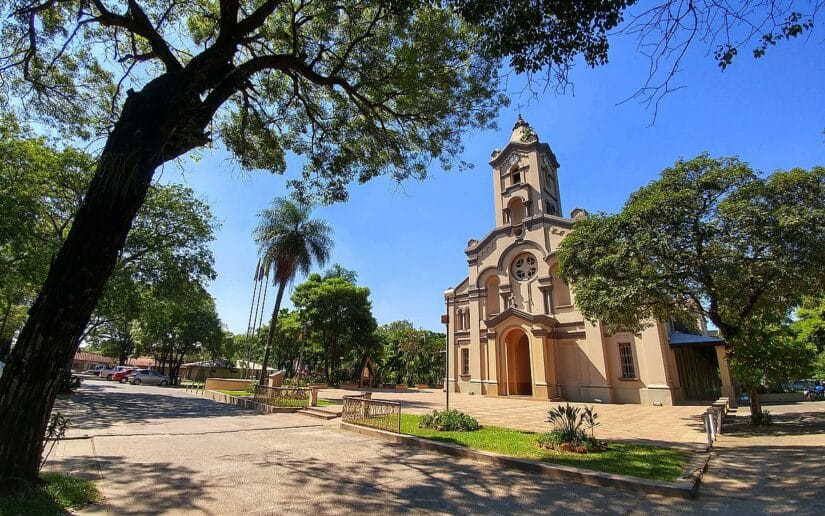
410,356
41,188
69,491
55,431
338,323
57,493
625,459
710,237
809,329
449,421
773,354
179,320
289,241
567,421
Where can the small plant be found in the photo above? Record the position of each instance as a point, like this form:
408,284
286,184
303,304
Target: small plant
762,418
251,388
568,433
55,431
449,421
567,420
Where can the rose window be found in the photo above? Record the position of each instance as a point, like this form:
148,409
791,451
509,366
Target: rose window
524,267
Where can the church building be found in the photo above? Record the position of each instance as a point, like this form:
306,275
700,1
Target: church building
513,328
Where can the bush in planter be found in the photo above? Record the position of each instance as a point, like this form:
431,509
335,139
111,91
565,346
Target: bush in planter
449,421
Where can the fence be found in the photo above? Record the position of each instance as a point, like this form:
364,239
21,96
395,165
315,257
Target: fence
360,410
286,396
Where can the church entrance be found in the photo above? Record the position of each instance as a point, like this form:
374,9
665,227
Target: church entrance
519,379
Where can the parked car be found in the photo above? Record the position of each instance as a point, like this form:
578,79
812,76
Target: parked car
122,376
148,377
109,372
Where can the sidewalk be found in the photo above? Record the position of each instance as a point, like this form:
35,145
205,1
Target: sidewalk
678,426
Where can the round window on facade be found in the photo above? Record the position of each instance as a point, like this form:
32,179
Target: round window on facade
524,267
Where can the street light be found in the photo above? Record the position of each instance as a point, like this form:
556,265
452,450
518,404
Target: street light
445,319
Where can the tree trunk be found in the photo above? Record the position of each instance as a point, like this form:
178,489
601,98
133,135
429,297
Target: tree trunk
755,404
270,337
141,140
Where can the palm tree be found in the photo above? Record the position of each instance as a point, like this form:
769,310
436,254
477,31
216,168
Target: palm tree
288,241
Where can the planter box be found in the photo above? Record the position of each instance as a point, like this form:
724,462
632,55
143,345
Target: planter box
317,385
422,386
349,386
401,387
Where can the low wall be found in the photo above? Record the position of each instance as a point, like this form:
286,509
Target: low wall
780,397
226,384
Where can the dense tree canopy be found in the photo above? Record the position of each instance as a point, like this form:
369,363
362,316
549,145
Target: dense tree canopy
710,237
338,321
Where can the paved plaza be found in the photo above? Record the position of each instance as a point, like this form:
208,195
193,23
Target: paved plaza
678,426
163,451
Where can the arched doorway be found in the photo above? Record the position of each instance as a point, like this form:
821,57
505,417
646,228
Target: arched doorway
519,378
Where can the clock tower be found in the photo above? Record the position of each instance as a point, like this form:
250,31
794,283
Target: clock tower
525,178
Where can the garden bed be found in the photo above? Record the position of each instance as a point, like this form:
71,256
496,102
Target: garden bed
650,462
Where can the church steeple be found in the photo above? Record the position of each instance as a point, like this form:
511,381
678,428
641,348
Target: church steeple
525,181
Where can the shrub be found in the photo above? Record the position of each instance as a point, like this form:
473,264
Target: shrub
449,421
251,388
567,420
568,432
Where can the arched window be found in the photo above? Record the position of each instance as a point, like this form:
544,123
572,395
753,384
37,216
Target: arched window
493,298
516,211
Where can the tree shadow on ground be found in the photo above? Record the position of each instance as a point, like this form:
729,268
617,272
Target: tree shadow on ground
94,408
784,478
150,488
403,479
792,423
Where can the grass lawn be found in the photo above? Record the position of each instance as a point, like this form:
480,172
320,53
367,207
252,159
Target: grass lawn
235,393
327,403
60,492
651,462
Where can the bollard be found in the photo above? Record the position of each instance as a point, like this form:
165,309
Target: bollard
709,429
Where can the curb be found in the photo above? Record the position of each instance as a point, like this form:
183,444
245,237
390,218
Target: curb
247,403
687,486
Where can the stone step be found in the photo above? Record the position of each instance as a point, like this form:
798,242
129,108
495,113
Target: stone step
319,413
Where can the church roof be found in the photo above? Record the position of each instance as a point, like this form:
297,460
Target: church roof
677,338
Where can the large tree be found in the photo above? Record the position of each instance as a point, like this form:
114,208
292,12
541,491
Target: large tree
337,315
289,242
357,88
710,237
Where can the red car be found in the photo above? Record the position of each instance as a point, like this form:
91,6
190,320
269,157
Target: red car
122,376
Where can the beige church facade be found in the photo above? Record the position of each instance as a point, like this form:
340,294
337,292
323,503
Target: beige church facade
513,329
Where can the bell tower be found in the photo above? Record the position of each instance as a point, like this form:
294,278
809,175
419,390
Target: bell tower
525,178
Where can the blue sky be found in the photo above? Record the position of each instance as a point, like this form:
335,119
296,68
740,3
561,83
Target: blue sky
406,241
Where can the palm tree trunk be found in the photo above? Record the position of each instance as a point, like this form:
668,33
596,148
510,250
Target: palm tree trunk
270,337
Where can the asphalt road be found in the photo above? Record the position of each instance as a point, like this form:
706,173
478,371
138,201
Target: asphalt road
159,450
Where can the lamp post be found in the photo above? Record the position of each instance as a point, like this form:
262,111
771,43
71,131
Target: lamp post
448,294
